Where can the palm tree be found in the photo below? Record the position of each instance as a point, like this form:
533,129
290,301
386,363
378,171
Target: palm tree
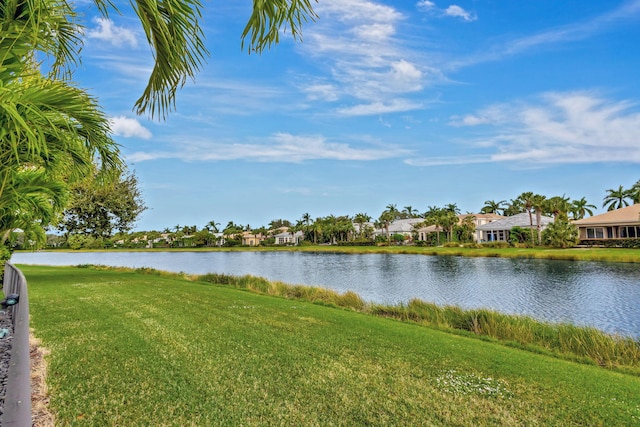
579,208
30,202
434,216
409,212
47,122
212,226
172,29
361,219
616,199
393,210
538,203
386,218
491,206
558,206
634,192
514,207
452,207
526,201
51,130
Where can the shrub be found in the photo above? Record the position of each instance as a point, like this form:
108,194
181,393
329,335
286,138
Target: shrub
612,243
497,245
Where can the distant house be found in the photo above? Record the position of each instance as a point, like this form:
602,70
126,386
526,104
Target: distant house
287,238
621,223
251,239
404,227
479,219
498,230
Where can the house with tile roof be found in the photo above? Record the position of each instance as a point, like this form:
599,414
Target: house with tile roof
498,231
478,220
623,223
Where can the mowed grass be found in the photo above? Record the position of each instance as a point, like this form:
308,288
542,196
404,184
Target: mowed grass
129,349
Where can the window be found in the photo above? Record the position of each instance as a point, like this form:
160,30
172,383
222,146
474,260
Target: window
629,232
595,233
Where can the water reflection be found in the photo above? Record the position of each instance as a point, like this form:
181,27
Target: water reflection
603,295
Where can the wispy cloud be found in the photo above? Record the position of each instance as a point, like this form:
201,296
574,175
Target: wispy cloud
556,128
458,12
561,34
356,41
451,11
381,107
129,128
107,31
280,147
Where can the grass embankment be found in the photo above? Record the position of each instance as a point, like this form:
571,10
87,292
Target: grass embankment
133,349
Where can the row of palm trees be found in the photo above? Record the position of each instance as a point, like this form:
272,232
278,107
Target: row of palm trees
361,226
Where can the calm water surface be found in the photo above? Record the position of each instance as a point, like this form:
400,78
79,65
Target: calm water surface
603,295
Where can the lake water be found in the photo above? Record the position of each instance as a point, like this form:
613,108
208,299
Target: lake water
603,295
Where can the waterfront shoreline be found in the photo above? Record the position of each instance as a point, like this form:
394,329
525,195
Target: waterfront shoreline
572,254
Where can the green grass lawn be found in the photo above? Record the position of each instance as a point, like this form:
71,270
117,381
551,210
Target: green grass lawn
135,350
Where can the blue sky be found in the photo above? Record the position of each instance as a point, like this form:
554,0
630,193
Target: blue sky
417,103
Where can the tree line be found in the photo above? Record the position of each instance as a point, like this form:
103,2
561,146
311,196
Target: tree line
103,215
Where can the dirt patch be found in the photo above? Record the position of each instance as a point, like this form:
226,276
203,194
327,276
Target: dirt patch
41,417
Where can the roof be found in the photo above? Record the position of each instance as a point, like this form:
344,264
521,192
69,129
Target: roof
519,220
492,216
627,215
404,225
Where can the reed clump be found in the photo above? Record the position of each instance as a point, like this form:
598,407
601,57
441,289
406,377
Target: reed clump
604,349
313,294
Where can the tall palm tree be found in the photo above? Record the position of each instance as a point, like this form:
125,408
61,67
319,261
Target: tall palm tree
538,203
409,212
48,123
634,192
212,226
558,206
361,219
174,33
386,218
491,206
393,210
452,207
579,208
526,201
616,199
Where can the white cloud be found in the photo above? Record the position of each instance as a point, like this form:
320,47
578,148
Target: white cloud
405,77
376,31
356,41
374,108
128,128
280,147
458,12
357,10
452,11
324,92
556,128
425,5
107,31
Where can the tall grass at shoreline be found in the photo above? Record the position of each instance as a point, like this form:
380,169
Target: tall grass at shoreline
584,344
